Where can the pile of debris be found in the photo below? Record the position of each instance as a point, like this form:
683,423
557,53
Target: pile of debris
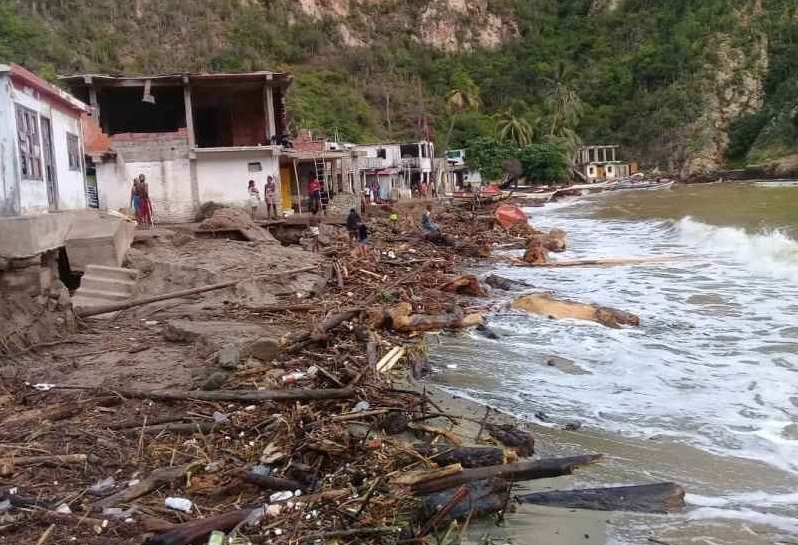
315,437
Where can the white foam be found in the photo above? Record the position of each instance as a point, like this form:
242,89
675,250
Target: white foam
785,524
749,499
771,253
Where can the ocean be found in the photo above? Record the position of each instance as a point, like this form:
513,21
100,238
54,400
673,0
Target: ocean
704,392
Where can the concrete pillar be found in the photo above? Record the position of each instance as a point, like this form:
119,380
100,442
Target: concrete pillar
268,109
192,142
613,154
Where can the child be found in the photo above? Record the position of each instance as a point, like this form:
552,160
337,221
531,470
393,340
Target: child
254,198
313,229
362,238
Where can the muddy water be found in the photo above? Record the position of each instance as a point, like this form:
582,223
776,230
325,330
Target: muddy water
704,393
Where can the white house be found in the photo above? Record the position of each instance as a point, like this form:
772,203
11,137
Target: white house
195,137
41,146
599,163
397,168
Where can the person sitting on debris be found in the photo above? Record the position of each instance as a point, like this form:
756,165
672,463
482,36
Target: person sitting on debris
427,225
254,198
314,192
145,205
270,196
353,221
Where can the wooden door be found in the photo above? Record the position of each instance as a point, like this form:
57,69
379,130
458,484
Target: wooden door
286,179
49,164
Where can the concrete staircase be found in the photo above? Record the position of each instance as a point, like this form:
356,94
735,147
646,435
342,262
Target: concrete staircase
102,285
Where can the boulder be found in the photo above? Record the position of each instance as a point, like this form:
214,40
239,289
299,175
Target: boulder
228,356
467,284
546,305
265,349
536,253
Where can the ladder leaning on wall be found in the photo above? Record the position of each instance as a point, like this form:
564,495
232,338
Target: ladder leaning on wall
321,175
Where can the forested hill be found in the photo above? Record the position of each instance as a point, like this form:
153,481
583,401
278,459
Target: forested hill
686,85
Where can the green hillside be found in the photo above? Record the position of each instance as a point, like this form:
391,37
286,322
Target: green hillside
687,86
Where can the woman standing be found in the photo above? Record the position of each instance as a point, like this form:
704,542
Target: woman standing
145,207
254,198
270,196
135,201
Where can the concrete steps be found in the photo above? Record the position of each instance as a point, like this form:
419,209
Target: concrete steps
101,285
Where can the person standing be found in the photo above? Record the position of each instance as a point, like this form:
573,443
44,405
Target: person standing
353,221
254,198
145,205
135,201
270,196
314,192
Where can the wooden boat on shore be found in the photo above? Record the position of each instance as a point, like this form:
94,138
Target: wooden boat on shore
648,185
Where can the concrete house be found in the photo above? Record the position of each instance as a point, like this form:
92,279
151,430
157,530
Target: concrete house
600,163
41,146
195,137
398,168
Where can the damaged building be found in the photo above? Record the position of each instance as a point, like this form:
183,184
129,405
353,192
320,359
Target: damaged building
195,137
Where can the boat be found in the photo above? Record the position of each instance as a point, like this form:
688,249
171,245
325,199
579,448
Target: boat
487,195
649,185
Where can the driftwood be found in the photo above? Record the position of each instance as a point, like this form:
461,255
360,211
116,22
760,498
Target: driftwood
554,241
54,460
410,478
103,309
647,498
467,284
58,411
508,435
157,479
605,262
174,427
468,457
319,332
519,471
196,530
270,483
401,318
545,304
354,532
481,498
244,396
506,284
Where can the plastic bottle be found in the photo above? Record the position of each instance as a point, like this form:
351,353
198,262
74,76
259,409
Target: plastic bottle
179,504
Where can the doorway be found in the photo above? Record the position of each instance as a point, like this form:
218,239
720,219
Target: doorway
49,164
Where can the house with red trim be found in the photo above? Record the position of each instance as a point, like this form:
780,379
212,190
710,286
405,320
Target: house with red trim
41,145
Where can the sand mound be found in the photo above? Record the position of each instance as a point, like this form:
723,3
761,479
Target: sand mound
26,320
227,218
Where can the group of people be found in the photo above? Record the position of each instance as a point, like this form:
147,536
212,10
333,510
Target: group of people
140,201
269,195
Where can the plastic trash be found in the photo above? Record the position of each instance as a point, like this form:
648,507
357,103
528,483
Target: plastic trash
262,470
43,387
102,487
115,512
361,406
281,496
133,482
5,505
216,538
298,376
220,417
63,509
178,504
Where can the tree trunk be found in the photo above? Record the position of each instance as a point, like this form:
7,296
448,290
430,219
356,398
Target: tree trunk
483,498
647,498
468,457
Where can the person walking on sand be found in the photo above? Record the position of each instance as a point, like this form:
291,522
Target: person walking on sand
363,239
254,198
270,196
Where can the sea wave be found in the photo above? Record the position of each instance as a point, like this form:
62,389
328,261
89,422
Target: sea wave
772,253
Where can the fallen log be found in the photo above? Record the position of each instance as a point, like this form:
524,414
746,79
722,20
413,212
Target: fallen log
545,304
506,284
605,262
245,396
519,471
60,411
173,427
103,309
157,479
467,284
197,530
401,318
648,498
53,460
481,498
270,483
319,332
468,457
410,478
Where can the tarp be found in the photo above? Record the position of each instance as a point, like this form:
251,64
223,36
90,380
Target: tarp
508,215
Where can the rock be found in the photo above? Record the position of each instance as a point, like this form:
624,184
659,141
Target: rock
467,284
536,253
790,432
506,284
265,349
546,305
215,380
229,356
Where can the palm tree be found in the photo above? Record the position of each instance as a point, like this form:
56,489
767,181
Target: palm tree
513,127
463,97
564,101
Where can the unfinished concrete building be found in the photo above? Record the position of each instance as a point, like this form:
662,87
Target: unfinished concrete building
195,137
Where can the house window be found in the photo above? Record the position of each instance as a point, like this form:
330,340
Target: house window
30,151
381,153
73,151
255,166
591,171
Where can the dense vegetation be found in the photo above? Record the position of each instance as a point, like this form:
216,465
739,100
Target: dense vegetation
637,75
